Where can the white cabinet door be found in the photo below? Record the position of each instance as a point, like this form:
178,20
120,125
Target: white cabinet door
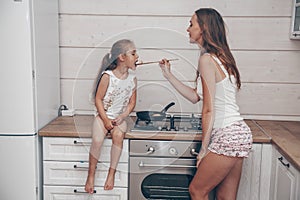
77,193
75,173
285,178
77,149
256,174
249,183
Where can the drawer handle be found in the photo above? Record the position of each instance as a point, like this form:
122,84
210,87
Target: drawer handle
285,164
76,167
82,192
82,143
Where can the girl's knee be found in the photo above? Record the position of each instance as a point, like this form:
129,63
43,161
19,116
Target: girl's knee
117,137
97,140
98,137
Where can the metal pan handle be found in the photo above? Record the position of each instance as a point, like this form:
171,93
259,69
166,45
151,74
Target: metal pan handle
167,107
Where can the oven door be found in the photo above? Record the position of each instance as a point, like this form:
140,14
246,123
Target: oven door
160,178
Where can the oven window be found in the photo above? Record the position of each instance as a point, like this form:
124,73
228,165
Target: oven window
166,186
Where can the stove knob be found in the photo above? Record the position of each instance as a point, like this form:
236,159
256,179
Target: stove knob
193,152
185,128
159,128
150,150
176,128
173,151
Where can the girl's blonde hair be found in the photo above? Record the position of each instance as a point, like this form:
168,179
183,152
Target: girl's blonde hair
110,60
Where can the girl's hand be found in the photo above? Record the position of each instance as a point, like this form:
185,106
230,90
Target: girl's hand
118,120
165,67
108,124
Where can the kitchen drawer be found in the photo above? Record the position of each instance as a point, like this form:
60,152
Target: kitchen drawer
77,193
77,149
75,173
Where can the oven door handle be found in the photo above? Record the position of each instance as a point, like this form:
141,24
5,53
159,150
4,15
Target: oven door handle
142,164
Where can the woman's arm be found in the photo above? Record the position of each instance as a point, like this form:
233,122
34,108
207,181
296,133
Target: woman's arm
101,91
186,91
208,79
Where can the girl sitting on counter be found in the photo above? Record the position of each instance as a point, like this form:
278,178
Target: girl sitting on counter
115,97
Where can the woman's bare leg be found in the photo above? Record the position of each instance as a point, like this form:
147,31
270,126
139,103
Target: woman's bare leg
117,134
212,170
228,188
98,134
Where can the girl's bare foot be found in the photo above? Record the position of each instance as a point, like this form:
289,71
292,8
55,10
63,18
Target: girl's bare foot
89,185
110,179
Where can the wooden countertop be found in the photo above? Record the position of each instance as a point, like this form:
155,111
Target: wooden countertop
286,137
284,134
80,126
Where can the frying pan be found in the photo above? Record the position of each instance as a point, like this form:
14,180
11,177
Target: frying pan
154,115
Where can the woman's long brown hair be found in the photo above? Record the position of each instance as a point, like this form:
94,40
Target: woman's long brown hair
215,41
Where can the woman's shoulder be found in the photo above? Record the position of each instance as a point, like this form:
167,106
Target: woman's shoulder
206,57
206,61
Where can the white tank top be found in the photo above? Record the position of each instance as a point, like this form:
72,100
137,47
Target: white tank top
226,108
118,94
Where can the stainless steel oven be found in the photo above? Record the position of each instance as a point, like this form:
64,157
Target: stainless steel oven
161,169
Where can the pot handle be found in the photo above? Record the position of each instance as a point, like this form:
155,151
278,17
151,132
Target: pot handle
167,107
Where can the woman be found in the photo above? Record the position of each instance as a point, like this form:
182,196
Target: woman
226,138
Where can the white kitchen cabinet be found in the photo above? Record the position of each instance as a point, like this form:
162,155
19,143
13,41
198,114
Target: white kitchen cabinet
256,174
74,173
78,193
65,163
74,149
285,178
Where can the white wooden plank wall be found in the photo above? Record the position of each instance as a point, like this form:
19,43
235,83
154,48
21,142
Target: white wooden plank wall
258,33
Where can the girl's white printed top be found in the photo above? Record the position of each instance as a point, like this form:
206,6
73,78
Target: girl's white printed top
118,94
226,108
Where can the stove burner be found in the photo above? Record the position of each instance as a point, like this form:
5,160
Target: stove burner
178,123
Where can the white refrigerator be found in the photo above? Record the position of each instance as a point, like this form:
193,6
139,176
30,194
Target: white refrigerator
29,92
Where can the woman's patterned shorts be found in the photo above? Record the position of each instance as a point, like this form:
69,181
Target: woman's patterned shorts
234,140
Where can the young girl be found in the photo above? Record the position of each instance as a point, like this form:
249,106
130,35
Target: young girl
115,98
226,138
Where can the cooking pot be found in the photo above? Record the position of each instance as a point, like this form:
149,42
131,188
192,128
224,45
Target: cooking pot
154,115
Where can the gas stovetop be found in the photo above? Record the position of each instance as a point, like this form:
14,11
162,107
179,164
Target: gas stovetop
177,123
